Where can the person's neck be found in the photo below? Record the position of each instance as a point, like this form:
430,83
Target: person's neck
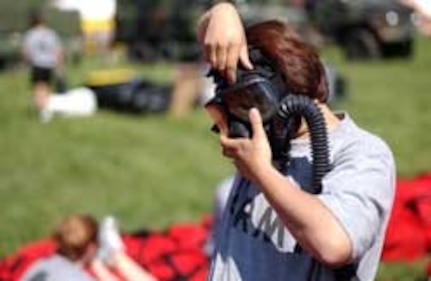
330,118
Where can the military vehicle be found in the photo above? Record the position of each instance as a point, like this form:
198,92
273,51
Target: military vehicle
365,29
254,11
14,21
154,30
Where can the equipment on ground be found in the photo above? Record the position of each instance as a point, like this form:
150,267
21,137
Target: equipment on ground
120,90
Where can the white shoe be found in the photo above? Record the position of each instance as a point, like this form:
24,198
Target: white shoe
109,238
45,115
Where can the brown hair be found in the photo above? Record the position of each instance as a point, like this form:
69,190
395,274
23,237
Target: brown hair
297,61
74,235
36,18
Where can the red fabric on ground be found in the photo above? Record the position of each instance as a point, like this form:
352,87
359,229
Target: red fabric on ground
408,236
14,266
424,206
178,253
172,255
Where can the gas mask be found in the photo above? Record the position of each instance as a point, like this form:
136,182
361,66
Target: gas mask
261,88
265,88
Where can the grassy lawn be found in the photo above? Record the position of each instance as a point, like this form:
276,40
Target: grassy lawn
392,99
150,171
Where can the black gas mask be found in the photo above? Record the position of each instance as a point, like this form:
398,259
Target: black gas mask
262,88
265,88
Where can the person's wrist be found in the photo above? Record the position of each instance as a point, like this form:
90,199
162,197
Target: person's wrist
262,170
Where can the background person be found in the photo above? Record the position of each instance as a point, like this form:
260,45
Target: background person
76,240
339,232
83,247
43,51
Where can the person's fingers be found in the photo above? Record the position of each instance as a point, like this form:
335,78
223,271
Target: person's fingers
210,54
232,62
229,143
221,57
256,123
224,141
233,145
202,35
244,58
228,152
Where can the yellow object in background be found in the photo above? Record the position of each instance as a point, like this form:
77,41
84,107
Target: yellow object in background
110,77
98,25
98,34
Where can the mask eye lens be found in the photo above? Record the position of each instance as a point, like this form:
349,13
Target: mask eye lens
259,94
239,103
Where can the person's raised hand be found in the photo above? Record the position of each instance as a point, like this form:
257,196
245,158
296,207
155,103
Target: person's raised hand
222,36
250,156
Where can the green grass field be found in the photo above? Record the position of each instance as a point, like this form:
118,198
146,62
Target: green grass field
150,171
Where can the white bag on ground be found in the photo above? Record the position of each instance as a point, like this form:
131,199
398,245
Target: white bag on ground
75,102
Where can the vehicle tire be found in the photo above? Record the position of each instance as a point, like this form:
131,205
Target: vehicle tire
402,49
143,52
361,44
2,63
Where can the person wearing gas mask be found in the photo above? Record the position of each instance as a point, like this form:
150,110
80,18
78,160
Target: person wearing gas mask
313,192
